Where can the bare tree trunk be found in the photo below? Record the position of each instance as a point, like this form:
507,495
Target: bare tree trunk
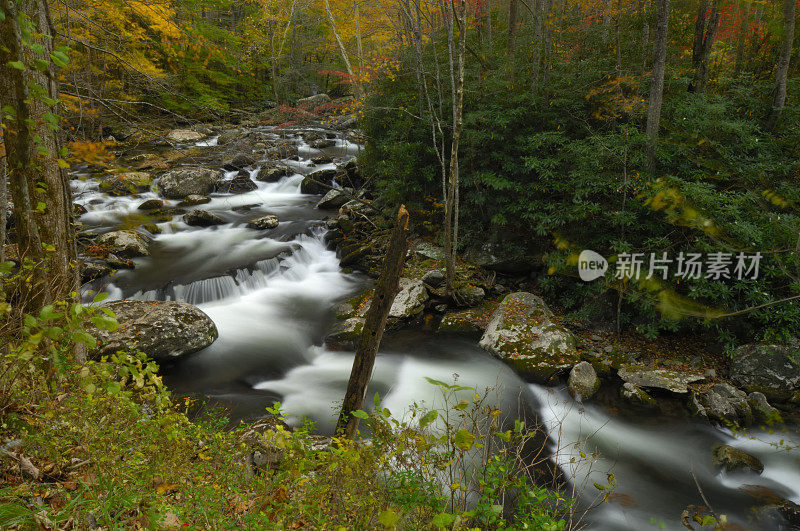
359,46
657,82
741,38
385,291
645,34
538,25
489,24
513,9
342,49
783,63
3,203
548,39
39,187
705,33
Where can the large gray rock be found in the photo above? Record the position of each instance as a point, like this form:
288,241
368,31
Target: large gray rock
733,459
318,182
125,243
185,135
583,381
314,101
763,411
180,183
410,300
126,183
334,199
522,333
239,162
164,331
273,175
264,223
770,369
240,184
637,396
202,218
673,381
723,403
469,295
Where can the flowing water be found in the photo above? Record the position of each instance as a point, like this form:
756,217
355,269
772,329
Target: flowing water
271,295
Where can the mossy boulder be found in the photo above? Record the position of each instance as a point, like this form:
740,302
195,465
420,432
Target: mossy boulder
522,333
770,369
583,381
410,300
181,183
127,183
637,396
734,459
125,243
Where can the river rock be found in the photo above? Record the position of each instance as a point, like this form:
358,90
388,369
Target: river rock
93,270
734,459
127,183
185,135
239,162
125,243
435,279
762,410
194,200
334,199
521,332
151,204
263,223
238,185
410,300
345,334
673,381
273,175
771,369
723,403
430,251
283,151
322,143
202,218
314,101
180,183
583,381
469,295
637,396
164,331
318,182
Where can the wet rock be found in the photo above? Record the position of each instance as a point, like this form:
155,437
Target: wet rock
314,101
312,136
77,210
202,218
230,136
264,223
430,251
583,381
164,331
185,135
345,334
637,396
469,295
194,200
522,333
93,270
734,459
283,151
762,410
127,183
770,369
318,182
435,279
334,199
673,381
239,162
125,243
723,403
323,143
180,183
273,175
322,159
151,204
410,300
238,185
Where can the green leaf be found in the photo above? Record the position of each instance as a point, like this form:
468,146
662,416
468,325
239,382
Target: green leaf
708,520
360,414
104,322
100,297
41,65
376,400
442,520
429,417
113,387
464,440
388,518
59,58
19,65
436,382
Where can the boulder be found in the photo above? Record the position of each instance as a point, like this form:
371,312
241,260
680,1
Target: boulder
334,199
194,200
583,381
230,136
770,369
430,251
283,151
637,396
151,204
345,334
273,175
125,243
521,332
434,279
669,380
315,183
469,295
164,331
734,459
410,300
240,184
127,183
93,270
762,410
723,403
202,218
239,162
185,135
322,143
314,101
263,223
180,183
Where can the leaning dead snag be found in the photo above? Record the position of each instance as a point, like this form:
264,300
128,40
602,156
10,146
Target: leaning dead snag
386,287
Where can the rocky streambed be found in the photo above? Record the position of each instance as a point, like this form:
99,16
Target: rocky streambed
246,252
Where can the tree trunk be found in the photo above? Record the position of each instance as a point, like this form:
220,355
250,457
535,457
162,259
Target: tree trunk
489,24
705,33
538,37
644,35
385,291
657,82
548,39
342,49
3,202
513,9
783,63
39,187
741,39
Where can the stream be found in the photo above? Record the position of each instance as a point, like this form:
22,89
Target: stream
272,294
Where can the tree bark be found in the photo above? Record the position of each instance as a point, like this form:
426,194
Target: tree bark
657,82
39,187
513,10
741,39
783,63
386,288
342,49
538,37
548,40
705,33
